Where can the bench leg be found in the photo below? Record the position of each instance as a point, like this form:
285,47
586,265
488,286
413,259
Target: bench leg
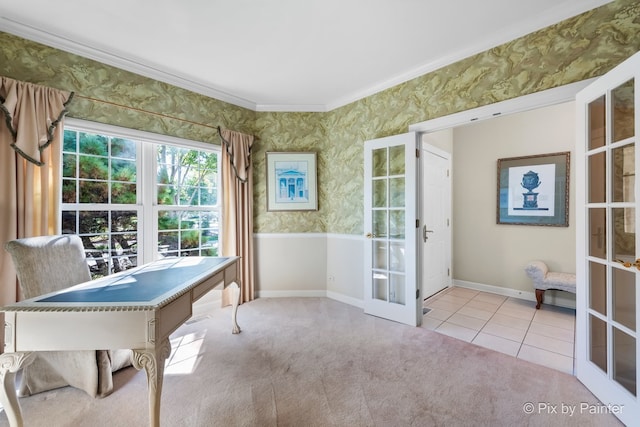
539,297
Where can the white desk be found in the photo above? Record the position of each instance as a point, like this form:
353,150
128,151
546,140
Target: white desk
136,309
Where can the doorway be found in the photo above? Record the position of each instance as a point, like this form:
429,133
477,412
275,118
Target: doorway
435,232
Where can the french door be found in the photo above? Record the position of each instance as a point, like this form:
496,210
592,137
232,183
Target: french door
391,230
608,265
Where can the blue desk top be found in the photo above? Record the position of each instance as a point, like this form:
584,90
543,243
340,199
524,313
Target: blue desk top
143,284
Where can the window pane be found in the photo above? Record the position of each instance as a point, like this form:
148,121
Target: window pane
597,123
624,297
624,360
93,144
70,141
69,192
379,162
92,167
396,160
396,289
623,111
379,188
380,254
396,192
94,192
598,342
69,222
597,233
123,170
597,178
168,220
598,284
123,193
69,165
123,148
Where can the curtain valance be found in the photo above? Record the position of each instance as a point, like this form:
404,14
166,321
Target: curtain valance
238,147
32,113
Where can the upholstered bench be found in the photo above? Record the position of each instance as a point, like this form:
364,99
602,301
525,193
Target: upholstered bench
544,279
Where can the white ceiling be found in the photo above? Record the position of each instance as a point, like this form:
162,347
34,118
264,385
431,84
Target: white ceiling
282,55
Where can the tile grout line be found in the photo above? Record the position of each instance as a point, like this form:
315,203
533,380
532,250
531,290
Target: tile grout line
494,312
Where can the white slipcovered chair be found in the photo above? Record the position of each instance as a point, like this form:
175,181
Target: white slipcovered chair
47,264
544,279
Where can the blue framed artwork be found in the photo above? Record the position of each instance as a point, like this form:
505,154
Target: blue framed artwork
534,190
291,181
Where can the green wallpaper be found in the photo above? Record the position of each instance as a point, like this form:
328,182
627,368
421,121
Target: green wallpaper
110,95
288,132
573,50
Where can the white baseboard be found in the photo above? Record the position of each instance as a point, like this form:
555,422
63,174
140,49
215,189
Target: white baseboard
290,294
345,299
307,294
560,299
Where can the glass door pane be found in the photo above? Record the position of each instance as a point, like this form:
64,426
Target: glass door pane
612,241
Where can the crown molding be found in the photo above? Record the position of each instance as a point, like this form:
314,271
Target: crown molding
119,61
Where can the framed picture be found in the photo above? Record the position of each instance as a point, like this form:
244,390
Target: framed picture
291,182
534,190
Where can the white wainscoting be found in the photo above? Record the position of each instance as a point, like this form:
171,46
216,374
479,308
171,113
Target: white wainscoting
310,265
290,264
345,268
332,266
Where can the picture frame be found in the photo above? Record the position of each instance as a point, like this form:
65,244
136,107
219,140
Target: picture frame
534,190
292,181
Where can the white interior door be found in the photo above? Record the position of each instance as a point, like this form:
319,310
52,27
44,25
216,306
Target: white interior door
435,214
608,269
390,180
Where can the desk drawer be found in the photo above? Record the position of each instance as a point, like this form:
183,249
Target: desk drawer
231,273
171,316
207,285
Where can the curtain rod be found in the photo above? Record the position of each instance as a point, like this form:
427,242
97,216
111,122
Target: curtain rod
166,116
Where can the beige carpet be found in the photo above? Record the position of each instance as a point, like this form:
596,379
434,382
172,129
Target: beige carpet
317,362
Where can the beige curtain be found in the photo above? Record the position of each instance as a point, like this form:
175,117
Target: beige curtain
30,133
237,210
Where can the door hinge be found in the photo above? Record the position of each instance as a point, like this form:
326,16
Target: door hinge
417,293
447,222
417,152
417,223
447,173
448,272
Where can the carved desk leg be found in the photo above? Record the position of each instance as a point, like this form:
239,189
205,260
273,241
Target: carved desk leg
153,363
10,363
235,291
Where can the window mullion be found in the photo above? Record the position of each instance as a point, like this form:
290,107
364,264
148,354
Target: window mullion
147,191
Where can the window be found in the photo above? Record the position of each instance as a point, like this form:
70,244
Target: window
133,197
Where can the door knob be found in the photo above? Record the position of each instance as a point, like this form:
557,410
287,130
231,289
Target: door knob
629,264
424,233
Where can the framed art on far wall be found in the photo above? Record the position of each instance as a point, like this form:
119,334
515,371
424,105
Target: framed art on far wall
291,181
534,190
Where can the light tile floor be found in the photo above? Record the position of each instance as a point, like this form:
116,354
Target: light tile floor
508,325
